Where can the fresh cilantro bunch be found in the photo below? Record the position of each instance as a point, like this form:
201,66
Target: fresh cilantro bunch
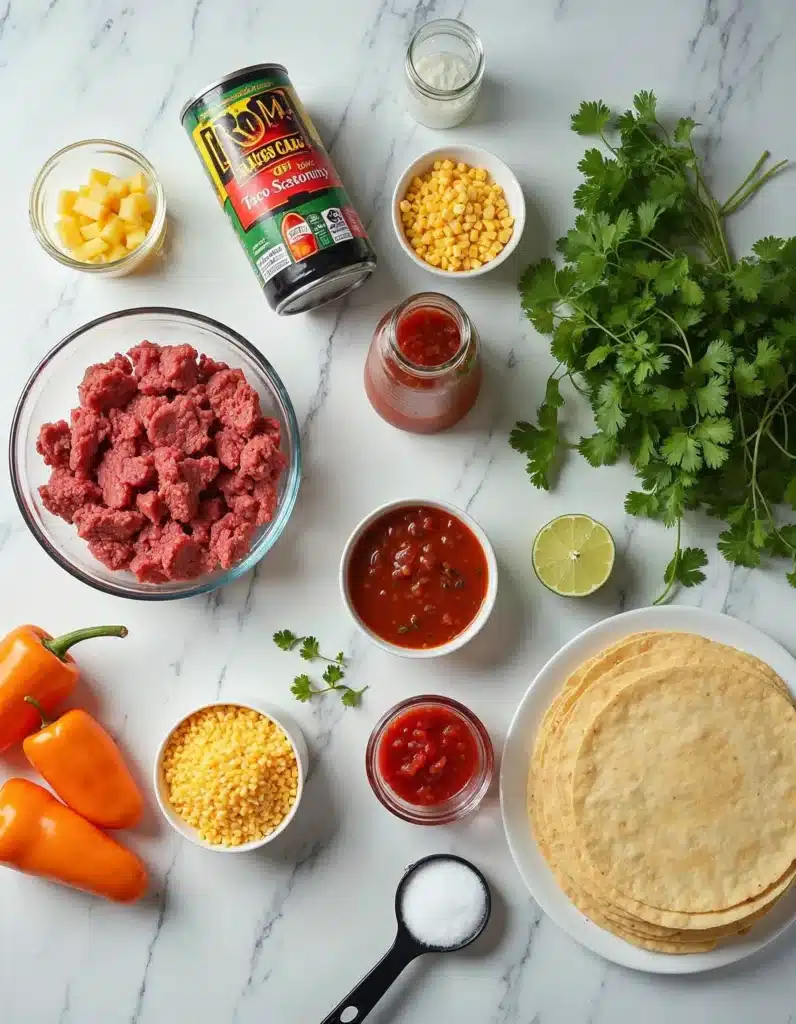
686,355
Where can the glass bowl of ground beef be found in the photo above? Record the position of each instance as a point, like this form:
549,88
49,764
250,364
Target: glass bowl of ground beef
154,454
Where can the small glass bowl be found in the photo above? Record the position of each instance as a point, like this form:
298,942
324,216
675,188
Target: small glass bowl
460,804
68,169
51,392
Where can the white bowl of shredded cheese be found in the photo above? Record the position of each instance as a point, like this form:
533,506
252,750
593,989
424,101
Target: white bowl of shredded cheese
499,233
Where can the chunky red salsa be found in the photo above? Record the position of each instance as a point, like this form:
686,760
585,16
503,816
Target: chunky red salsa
417,576
427,755
427,336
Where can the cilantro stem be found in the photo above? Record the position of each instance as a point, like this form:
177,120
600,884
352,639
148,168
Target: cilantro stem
729,208
675,564
745,182
784,450
681,332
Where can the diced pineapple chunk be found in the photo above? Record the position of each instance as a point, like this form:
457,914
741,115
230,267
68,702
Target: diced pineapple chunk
117,252
83,190
89,207
138,182
99,194
69,232
117,189
91,248
129,209
66,200
114,230
96,177
135,238
90,231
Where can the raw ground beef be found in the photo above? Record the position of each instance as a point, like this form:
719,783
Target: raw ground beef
167,467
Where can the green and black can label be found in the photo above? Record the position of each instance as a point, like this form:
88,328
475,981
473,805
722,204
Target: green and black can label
279,188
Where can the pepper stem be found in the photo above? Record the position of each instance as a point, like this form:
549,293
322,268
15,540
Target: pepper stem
59,645
45,721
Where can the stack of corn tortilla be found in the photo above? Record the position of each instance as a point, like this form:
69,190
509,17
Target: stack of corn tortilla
663,790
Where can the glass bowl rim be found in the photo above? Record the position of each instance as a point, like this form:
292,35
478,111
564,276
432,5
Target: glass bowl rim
451,809
133,258
277,525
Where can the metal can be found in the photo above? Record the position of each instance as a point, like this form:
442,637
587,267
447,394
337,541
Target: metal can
279,188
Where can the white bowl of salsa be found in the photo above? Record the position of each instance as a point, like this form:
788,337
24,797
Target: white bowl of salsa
419,577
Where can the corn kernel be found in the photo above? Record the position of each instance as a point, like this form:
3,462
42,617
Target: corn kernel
406,206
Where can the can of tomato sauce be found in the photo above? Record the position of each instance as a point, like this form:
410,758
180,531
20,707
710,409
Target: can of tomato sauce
279,188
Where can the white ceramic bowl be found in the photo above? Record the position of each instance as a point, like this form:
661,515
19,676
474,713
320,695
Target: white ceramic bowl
499,173
297,741
486,605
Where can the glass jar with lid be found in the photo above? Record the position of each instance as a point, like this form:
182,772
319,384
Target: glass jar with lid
423,370
444,71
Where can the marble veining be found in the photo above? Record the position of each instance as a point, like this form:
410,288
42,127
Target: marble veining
279,936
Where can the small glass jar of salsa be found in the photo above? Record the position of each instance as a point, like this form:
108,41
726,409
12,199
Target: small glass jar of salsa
430,760
423,370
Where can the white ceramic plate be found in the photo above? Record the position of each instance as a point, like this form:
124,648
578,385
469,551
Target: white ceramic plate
514,778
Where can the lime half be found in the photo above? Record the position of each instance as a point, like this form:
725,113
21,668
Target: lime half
573,555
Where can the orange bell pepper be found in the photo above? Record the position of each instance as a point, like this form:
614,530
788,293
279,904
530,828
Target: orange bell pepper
86,769
40,836
34,664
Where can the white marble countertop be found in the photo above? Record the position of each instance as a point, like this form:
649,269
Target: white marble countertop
280,936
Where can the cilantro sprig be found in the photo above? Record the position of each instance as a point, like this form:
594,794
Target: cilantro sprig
685,354
303,688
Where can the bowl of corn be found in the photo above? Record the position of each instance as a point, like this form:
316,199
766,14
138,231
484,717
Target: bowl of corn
458,210
229,775
97,206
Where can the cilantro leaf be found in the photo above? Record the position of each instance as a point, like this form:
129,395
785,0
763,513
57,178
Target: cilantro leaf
745,379
302,688
683,130
591,118
310,649
711,398
768,248
333,674
691,293
610,416
686,567
736,546
640,503
599,449
285,640
680,449
717,357
748,280
352,698
648,213
645,104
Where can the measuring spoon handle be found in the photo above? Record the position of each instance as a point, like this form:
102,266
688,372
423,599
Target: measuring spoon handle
364,996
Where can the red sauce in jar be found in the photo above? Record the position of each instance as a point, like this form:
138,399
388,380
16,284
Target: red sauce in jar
428,336
423,369
417,576
427,755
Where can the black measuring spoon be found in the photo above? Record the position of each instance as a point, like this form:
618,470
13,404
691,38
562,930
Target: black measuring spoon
406,948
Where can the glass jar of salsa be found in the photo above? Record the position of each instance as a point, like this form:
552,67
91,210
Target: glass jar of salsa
429,760
423,370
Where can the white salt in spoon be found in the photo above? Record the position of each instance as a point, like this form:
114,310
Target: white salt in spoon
442,904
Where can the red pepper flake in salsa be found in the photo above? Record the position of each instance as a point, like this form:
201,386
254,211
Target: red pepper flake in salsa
428,336
417,576
427,755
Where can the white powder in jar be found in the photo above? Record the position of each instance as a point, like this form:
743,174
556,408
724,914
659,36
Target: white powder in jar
446,72
444,903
